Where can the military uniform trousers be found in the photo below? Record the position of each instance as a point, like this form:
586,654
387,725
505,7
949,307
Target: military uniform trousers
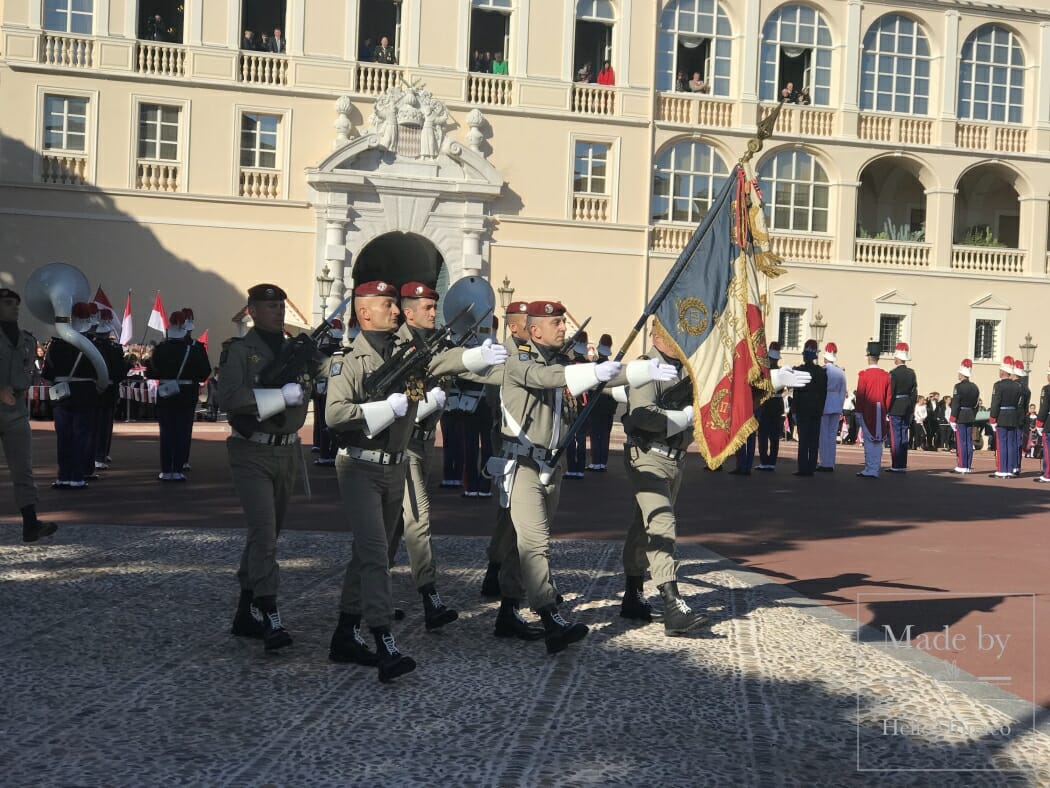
414,523
264,477
104,432
899,428
527,570
17,439
74,433
1007,449
503,541
808,443
829,431
373,495
176,431
1045,440
651,535
964,445
600,431
452,440
770,428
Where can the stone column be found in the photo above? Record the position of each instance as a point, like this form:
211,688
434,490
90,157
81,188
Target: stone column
1042,114
940,226
335,256
472,260
949,80
845,227
850,71
193,22
1035,223
752,44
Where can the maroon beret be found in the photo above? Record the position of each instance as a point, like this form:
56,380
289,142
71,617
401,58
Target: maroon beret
418,290
266,292
517,307
545,309
375,288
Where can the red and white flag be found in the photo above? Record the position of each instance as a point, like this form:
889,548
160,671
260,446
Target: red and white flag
204,340
102,302
158,319
125,324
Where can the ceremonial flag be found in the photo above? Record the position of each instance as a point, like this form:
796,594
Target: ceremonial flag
102,302
158,319
204,340
125,324
709,306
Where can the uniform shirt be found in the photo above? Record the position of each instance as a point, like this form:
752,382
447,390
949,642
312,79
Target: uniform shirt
1006,401
346,394
1044,406
116,366
17,361
874,394
1026,394
964,402
164,365
534,400
809,400
905,389
66,361
836,390
645,419
242,361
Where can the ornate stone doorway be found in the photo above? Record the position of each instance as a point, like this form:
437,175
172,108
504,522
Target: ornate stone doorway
401,257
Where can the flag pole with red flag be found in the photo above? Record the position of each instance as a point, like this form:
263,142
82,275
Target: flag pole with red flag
125,325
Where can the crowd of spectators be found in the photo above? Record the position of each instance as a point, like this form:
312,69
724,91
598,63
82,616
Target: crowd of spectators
487,63
605,76
788,95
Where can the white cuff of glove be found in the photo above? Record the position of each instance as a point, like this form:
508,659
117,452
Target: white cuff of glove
474,360
620,394
269,401
678,421
639,372
428,406
378,416
580,378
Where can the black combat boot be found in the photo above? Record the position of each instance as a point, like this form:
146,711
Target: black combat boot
635,605
558,632
275,636
348,645
436,612
34,529
678,618
248,621
392,663
490,585
510,624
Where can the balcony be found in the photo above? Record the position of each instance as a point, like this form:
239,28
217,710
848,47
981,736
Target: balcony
260,184
160,60
802,248
63,169
590,207
799,121
694,110
156,176
373,80
670,238
988,260
991,137
906,130
593,100
489,90
896,254
258,68
67,51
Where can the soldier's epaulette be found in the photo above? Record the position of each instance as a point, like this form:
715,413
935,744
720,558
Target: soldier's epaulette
525,351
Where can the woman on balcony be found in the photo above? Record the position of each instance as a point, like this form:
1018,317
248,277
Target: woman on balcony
606,76
499,65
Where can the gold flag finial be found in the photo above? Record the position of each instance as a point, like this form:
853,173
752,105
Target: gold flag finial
765,131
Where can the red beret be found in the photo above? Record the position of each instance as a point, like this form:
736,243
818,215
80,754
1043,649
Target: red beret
517,307
177,318
545,309
92,307
105,313
336,323
375,288
81,311
418,290
831,347
266,292
903,346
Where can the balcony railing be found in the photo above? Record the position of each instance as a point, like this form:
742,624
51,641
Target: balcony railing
982,136
988,260
590,207
491,90
157,176
670,238
67,51
902,254
374,79
161,60
262,69
593,99
260,184
694,110
802,248
895,128
803,121
64,169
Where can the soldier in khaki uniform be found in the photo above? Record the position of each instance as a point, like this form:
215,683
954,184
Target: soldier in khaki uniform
419,306
538,404
371,467
657,440
17,354
265,457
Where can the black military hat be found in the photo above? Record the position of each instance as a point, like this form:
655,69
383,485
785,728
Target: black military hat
7,292
266,292
874,349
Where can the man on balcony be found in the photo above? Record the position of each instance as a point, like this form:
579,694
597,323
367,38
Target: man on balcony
277,43
384,53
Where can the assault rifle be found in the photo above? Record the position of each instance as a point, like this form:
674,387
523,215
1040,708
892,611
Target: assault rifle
296,356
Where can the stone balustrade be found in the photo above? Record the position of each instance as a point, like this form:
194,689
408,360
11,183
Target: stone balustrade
593,99
373,79
57,49
901,254
259,68
590,207
157,176
802,248
487,89
63,169
988,259
260,183
695,110
160,60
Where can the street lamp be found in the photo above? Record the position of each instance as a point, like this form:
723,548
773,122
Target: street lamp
1028,352
506,295
818,327
325,280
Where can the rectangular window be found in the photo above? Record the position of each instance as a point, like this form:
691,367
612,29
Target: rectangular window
985,336
259,140
159,132
591,174
890,329
69,16
790,332
65,123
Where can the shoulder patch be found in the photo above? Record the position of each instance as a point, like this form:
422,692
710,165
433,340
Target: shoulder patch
524,357
337,367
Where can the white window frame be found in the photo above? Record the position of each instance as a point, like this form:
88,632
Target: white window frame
989,308
515,60
771,181
590,160
283,148
69,13
612,171
703,26
967,77
137,101
675,173
894,303
772,36
90,127
873,56
797,298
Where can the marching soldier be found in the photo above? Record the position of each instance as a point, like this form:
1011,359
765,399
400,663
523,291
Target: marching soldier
538,404
371,470
183,462
17,356
330,349
577,451
113,355
809,403
75,398
1040,428
832,416
905,391
1021,377
770,420
1004,417
963,414
179,368
265,457
657,440
602,416
874,397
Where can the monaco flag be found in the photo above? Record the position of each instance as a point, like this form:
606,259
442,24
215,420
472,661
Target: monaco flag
158,319
102,302
125,324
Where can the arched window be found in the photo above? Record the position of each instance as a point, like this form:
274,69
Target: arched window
695,38
796,49
595,20
686,177
991,76
895,67
796,192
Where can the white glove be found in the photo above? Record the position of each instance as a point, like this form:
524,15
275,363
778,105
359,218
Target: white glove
788,378
487,354
645,371
438,395
993,426
434,402
688,411
493,352
292,393
662,372
1039,430
679,420
954,426
607,370
398,403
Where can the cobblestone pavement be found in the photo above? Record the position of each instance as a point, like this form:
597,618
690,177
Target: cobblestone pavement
119,671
